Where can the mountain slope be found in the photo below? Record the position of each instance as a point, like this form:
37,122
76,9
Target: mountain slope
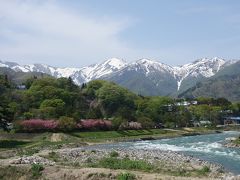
153,78
79,75
144,76
190,74
19,77
225,83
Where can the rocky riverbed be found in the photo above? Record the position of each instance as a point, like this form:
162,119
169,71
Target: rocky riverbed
32,160
166,159
232,142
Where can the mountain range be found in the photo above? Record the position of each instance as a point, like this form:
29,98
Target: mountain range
144,76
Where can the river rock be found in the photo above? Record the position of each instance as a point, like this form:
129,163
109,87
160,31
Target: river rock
32,160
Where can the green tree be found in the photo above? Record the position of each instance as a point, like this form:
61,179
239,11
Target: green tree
54,107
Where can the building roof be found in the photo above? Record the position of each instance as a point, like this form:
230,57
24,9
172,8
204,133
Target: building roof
233,118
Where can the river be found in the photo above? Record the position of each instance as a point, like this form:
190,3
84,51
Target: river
207,147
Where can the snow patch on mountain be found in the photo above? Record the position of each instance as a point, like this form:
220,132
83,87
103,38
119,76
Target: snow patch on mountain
149,66
3,65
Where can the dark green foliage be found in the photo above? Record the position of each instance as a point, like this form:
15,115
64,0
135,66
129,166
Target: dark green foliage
12,143
7,107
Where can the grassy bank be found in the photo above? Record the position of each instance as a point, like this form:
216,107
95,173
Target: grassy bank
111,136
19,144
32,140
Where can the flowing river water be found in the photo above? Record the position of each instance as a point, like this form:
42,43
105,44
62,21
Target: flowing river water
206,147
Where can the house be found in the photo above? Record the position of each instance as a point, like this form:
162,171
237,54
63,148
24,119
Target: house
232,120
21,87
201,123
186,103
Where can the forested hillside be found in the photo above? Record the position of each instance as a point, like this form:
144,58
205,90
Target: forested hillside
65,105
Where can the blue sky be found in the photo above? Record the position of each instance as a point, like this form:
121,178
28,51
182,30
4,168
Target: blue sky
77,33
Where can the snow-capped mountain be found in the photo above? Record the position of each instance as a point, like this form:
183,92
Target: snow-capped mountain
201,68
79,75
153,78
142,76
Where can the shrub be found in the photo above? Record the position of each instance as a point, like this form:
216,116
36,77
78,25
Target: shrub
114,154
117,122
126,176
146,122
37,170
204,171
53,156
91,124
66,123
28,115
38,124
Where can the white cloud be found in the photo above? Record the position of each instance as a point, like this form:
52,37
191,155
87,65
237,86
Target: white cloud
46,32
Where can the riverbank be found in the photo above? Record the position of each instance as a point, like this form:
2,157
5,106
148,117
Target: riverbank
137,135
81,154
95,137
233,142
91,161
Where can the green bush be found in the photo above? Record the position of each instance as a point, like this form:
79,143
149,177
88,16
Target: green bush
53,156
36,170
146,122
117,121
28,115
114,154
204,171
126,176
66,123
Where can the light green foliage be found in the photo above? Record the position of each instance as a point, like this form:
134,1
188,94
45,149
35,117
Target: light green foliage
53,107
154,107
50,98
113,97
126,176
206,113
